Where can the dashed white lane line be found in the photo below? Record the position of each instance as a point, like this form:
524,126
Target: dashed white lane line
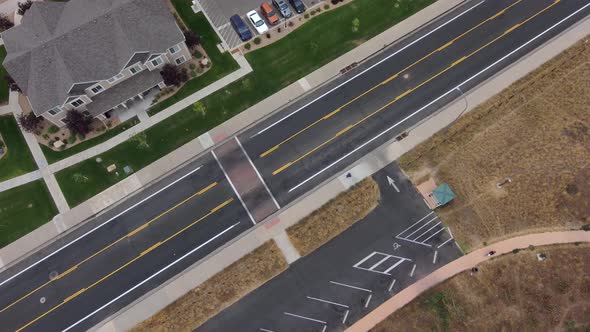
152,276
99,226
440,97
368,69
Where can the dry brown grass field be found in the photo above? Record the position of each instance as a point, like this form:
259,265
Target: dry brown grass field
514,292
536,132
218,292
334,217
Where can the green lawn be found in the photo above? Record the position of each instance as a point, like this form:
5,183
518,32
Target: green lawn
3,84
222,63
18,159
314,44
53,156
24,208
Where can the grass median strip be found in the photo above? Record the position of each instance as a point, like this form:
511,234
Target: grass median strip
220,291
334,217
18,159
514,292
535,133
23,209
314,44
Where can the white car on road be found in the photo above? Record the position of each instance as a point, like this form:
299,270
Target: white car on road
257,22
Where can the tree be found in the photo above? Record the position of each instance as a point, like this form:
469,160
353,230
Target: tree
173,75
5,23
29,122
11,83
191,39
77,122
24,6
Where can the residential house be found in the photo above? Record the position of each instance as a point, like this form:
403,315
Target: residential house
91,55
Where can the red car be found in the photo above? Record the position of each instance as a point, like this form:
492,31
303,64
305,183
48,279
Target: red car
269,13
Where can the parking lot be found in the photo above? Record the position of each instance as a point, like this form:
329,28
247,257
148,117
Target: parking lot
398,243
219,11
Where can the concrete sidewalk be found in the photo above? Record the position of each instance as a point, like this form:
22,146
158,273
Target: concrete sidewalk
274,227
461,264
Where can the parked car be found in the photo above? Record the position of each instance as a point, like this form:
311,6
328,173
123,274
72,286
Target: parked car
283,8
240,27
269,13
257,22
298,5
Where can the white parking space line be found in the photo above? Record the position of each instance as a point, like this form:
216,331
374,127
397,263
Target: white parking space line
438,98
431,236
152,276
326,301
380,262
414,224
307,318
99,226
413,270
391,285
435,256
345,316
233,187
425,224
258,173
393,267
368,300
428,230
368,69
349,286
265,330
447,241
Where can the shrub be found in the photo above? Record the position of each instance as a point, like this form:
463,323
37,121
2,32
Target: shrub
268,35
29,122
192,66
72,139
198,54
586,228
77,122
45,136
52,129
279,30
257,40
5,23
531,247
23,7
306,15
199,108
199,70
326,7
355,24
515,251
193,74
291,23
79,178
312,13
191,39
173,75
247,46
141,140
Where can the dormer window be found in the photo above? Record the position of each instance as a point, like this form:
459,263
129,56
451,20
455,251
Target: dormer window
97,89
157,61
77,102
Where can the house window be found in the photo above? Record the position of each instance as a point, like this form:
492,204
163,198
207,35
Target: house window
115,78
174,49
180,60
77,102
157,61
135,69
97,89
54,111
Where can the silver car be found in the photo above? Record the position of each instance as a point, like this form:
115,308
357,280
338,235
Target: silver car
283,8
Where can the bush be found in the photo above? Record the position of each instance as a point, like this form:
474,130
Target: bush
312,13
306,15
247,46
291,23
531,247
257,40
326,7
79,178
192,66
23,7
199,70
141,140
52,129
199,108
279,30
77,123
173,75
29,122
586,228
515,251
198,54
5,23
191,39
72,139
268,35
193,74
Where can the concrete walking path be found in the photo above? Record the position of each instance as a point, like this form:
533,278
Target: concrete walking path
459,265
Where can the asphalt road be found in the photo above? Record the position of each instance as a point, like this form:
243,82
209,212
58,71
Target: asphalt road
337,284
113,259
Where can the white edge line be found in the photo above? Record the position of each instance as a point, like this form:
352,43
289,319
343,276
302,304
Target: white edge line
151,277
366,70
368,300
303,317
349,286
99,226
326,301
234,188
258,173
440,97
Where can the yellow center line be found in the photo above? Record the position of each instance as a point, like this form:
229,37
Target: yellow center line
128,235
282,168
386,81
143,253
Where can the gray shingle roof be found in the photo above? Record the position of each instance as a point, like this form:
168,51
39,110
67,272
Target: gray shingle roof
59,44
